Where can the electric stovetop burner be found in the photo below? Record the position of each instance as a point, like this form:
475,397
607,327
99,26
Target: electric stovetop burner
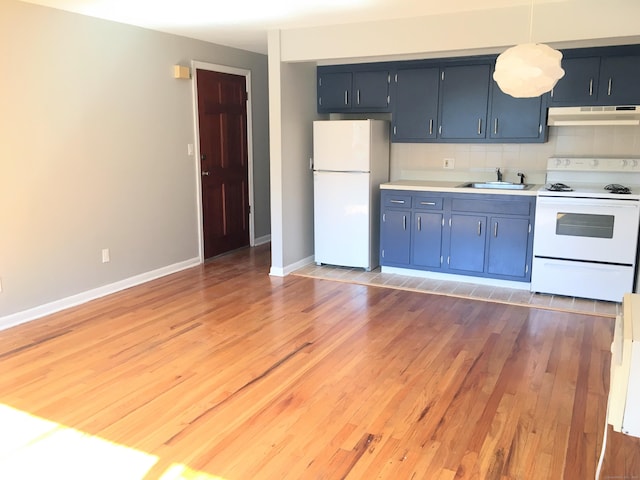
617,188
558,187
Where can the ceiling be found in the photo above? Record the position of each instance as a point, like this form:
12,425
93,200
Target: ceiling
244,23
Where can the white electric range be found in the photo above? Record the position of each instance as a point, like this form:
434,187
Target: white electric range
586,228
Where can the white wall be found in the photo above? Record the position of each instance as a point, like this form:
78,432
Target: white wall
291,114
479,161
566,22
93,154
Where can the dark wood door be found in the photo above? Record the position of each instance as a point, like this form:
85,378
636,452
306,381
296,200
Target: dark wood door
222,117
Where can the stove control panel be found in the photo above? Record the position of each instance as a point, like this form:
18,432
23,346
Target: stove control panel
593,164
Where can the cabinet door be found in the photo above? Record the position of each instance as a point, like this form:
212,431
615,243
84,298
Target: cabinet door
619,81
464,93
334,91
371,91
514,118
395,237
467,243
579,86
427,240
415,110
508,243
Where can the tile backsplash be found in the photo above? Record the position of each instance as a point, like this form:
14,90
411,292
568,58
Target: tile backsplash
424,161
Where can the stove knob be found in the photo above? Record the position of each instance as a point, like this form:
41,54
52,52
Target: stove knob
558,162
624,163
567,162
634,163
594,162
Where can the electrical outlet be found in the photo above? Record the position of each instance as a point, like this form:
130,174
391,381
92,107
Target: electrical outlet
106,258
448,163
190,149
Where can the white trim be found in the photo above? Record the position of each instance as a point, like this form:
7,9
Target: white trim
283,272
493,282
262,240
84,297
195,65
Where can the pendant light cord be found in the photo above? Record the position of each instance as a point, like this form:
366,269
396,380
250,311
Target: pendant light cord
531,23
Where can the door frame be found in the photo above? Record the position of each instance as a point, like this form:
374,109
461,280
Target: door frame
195,65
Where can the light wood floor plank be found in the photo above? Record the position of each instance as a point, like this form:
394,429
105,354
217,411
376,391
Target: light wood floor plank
225,372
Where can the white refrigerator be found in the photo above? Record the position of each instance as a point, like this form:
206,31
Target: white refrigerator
350,161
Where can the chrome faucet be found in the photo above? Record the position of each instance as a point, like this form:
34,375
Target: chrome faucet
499,173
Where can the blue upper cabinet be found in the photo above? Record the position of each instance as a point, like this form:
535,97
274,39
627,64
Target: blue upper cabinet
415,106
371,91
516,119
619,80
334,91
579,86
598,79
464,93
341,90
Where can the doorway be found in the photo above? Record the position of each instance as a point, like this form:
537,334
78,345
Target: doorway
224,166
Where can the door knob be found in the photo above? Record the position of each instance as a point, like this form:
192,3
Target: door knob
205,173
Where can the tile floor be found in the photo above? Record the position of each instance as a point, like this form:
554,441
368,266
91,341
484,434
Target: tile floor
460,289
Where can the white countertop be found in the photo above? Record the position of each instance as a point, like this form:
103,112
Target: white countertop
438,186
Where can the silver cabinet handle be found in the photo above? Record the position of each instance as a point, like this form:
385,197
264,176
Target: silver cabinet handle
419,223
427,203
609,87
479,126
591,87
205,173
495,126
358,96
479,228
397,201
495,229
430,126
404,222
346,97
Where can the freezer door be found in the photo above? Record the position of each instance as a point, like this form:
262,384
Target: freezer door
342,225
342,145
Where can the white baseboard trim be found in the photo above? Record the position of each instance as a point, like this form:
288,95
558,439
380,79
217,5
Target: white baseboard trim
261,240
84,297
492,282
284,271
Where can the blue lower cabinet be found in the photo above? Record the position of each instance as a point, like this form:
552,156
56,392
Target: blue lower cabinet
508,245
426,248
467,243
395,237
466,234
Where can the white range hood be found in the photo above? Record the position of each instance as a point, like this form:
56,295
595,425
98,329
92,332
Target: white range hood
609,115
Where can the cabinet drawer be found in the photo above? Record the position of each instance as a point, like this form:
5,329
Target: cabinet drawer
393,200
508,205
427,203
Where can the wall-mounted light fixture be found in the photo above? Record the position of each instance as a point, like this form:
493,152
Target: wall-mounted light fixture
181,72
528,70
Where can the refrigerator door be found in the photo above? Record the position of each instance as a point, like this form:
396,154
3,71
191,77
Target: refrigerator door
342,145
342,213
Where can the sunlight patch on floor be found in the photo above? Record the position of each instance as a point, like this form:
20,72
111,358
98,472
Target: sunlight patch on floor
35,448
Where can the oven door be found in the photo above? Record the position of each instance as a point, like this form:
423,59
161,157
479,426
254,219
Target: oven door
586,229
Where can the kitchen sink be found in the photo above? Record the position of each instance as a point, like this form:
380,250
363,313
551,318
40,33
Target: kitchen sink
496,185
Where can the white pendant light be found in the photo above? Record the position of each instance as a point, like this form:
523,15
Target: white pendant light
528,70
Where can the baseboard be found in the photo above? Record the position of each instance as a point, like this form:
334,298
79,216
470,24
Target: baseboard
284,271
261,240
493,282
84,297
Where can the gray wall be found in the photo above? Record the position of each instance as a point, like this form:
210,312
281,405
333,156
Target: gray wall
93,153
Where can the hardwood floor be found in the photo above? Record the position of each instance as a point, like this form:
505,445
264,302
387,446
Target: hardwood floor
224,372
